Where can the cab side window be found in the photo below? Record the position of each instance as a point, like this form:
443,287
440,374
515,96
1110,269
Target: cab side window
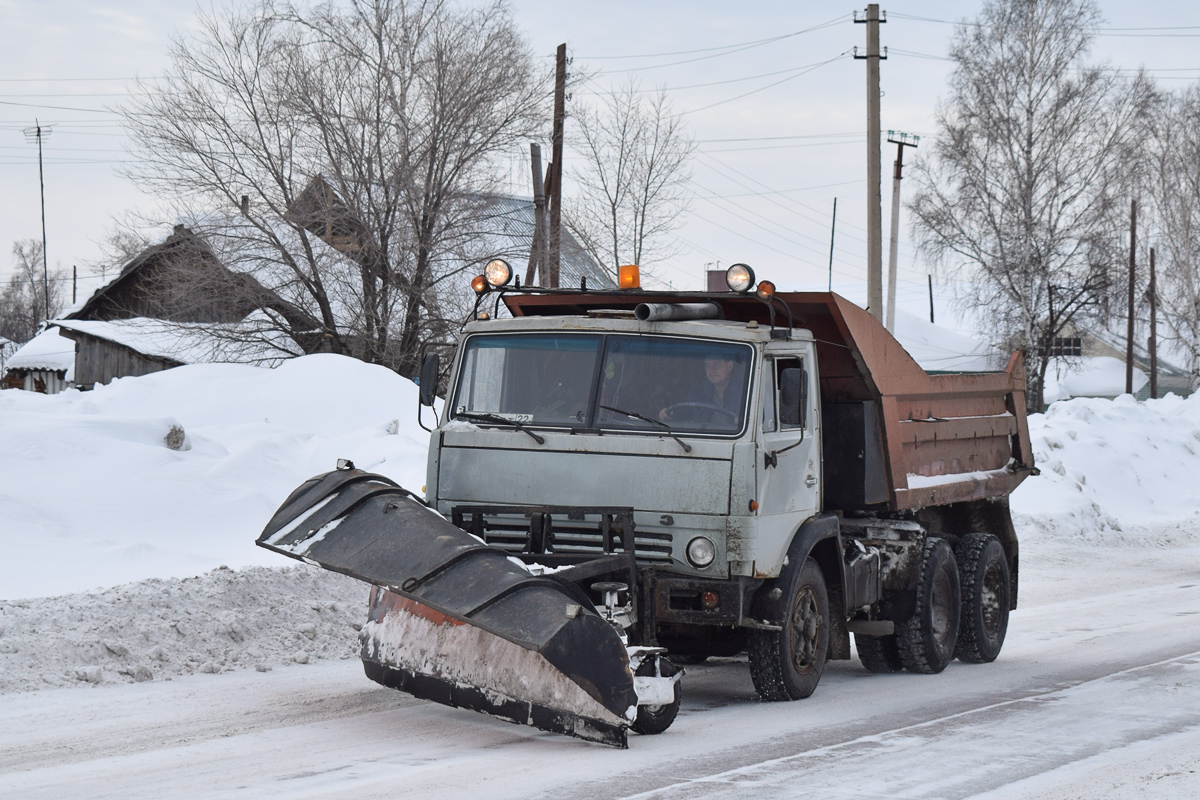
789,378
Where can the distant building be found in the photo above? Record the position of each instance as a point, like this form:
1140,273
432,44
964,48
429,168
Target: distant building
44,364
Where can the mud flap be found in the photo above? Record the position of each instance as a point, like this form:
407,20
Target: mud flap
456,621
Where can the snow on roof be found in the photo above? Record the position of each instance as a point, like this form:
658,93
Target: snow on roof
247,342
1097,376
939,349
48,350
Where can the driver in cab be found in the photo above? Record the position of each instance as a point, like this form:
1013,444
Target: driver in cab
715,399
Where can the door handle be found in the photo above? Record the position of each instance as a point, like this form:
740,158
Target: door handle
810,481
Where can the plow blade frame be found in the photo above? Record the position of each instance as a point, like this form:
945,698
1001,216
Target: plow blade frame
456,621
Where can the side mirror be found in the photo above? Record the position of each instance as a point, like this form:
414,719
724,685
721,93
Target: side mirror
430,368
792,396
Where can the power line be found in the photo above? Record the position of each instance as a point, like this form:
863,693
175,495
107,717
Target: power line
728,49
58,108
695,85
859,140
769,85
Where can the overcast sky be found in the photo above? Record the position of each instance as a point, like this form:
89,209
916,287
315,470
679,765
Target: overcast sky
780,123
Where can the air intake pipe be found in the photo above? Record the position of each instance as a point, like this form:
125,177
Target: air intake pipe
658,312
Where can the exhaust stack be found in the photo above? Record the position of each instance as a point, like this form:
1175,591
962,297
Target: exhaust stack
656,312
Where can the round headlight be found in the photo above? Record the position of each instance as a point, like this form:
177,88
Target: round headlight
498,272
701,551
739,278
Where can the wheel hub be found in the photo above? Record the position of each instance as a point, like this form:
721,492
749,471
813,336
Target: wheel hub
806,625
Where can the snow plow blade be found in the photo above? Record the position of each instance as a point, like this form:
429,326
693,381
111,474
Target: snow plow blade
455,621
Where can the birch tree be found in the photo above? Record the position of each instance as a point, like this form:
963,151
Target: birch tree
1024,193
1175,190
23,298
632,180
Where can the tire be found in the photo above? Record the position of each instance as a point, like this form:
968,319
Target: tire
927,639
986,597
787,664
653,720
879,654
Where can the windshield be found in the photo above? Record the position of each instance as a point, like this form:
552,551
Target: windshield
647,383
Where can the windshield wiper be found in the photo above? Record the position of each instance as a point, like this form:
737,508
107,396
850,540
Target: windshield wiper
687,448
484,416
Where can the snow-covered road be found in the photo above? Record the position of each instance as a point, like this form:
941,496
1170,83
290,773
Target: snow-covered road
1091,681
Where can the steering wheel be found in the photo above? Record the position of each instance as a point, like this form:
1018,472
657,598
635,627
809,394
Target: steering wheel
670,410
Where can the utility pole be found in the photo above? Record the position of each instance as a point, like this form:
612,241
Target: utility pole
874,199
930,277
537,248
832,231
37,133
901,140
553,260
1153,331
1129,327
74,283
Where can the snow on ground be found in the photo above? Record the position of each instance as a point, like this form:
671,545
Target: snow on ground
92,496
1114,471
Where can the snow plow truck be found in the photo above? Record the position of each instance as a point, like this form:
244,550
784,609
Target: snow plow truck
624,481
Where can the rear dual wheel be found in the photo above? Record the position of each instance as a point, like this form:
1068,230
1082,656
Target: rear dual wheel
787,664
926,640
983,568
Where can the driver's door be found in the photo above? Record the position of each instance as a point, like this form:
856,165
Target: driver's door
787,469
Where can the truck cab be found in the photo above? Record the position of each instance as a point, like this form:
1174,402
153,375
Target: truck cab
735,459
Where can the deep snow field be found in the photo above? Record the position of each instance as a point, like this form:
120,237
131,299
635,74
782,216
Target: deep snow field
125,560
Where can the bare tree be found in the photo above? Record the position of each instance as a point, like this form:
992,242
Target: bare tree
1175,192
338,152
633,181
1024,191
23,299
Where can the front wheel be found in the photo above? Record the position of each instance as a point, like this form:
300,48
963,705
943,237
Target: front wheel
787,664
927,639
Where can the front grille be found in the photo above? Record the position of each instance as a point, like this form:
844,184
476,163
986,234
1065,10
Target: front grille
562,530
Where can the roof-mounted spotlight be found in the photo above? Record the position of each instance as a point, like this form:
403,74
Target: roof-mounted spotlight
739,278
479,284
765,291
498,273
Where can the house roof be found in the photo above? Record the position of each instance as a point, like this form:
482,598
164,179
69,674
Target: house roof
48,350
246,342
506,231
245,286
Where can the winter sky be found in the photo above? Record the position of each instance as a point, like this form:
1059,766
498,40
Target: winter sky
774,150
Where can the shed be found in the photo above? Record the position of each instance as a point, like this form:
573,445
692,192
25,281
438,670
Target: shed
108,349
45,364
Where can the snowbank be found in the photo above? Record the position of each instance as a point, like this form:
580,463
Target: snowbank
92,496
159,629
1114,470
